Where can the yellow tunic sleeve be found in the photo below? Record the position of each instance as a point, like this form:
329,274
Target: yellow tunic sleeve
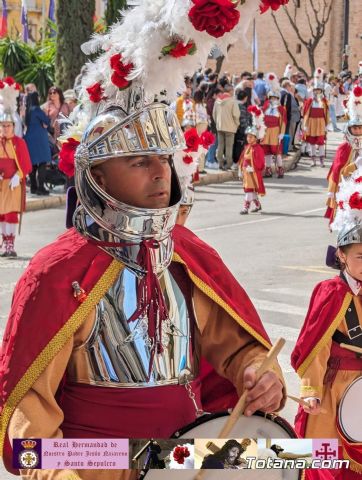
227,346
312,380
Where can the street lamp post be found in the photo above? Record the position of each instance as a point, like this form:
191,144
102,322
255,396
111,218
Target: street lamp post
345,35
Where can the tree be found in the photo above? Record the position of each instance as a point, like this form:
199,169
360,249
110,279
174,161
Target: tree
112,11
317,14
75,25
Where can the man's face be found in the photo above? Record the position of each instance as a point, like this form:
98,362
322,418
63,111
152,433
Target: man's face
141,181
233,454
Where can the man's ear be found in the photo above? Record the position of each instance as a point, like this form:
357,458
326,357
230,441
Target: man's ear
99,178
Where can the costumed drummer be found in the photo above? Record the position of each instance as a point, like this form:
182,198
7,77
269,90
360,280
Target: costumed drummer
15,164
349,154
252,162
334,319
123,306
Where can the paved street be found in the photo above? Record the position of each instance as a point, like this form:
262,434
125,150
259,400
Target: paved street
278,255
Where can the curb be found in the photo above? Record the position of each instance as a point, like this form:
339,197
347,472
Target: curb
54,201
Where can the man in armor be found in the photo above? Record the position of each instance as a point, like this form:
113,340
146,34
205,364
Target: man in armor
123,308
348,156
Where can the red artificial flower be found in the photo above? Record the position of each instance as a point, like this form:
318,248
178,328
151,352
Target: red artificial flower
95,92
355,201
181,50
357,91
9,80
17,86
271,77
340,205
66,156
121,71
187,159
216,17
358,180
192,140
2,84
180,453
207,138
273,4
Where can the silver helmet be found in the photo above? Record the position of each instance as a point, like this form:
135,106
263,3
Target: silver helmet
112,224
7,116
354,109
349,234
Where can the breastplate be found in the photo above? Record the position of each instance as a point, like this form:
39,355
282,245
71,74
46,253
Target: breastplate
117,353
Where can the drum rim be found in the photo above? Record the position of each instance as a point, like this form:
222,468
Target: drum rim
340,410
210,416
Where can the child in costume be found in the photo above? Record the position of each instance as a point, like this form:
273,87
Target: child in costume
322,356
252,162
275,118
316,119
349,154
15,164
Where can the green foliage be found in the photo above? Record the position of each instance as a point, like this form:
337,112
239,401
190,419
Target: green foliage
75,26
15,55
112,11
30,64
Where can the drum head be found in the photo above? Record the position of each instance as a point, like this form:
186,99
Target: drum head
259,425
350,413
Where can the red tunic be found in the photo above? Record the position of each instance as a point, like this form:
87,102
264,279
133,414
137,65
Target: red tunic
48,282
276,126
311,115
253,156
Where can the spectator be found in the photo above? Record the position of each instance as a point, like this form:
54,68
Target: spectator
71,99
245,121
301,91
210,157
331,93
55,108
36,138
286,101
260,87
226,114
295,116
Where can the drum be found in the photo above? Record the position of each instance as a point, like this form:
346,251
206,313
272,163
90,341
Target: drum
259,425
350,413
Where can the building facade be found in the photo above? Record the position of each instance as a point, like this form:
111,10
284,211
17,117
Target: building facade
272,55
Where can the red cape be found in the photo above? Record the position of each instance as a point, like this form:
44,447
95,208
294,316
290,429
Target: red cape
24,162
308,104
327,308
48,282
259,164
340,160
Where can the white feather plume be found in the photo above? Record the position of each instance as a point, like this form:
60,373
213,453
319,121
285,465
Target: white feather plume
8,96
354,105
288,71
347,216
142,34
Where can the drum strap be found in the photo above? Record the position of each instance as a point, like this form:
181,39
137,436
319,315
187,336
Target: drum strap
354,328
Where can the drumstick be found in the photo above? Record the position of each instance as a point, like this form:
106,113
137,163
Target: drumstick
240,406
352,348
304,403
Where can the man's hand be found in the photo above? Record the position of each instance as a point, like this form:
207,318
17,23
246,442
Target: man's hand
265,394
314,406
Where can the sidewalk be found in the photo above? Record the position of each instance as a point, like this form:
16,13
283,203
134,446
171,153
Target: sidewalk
57,197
